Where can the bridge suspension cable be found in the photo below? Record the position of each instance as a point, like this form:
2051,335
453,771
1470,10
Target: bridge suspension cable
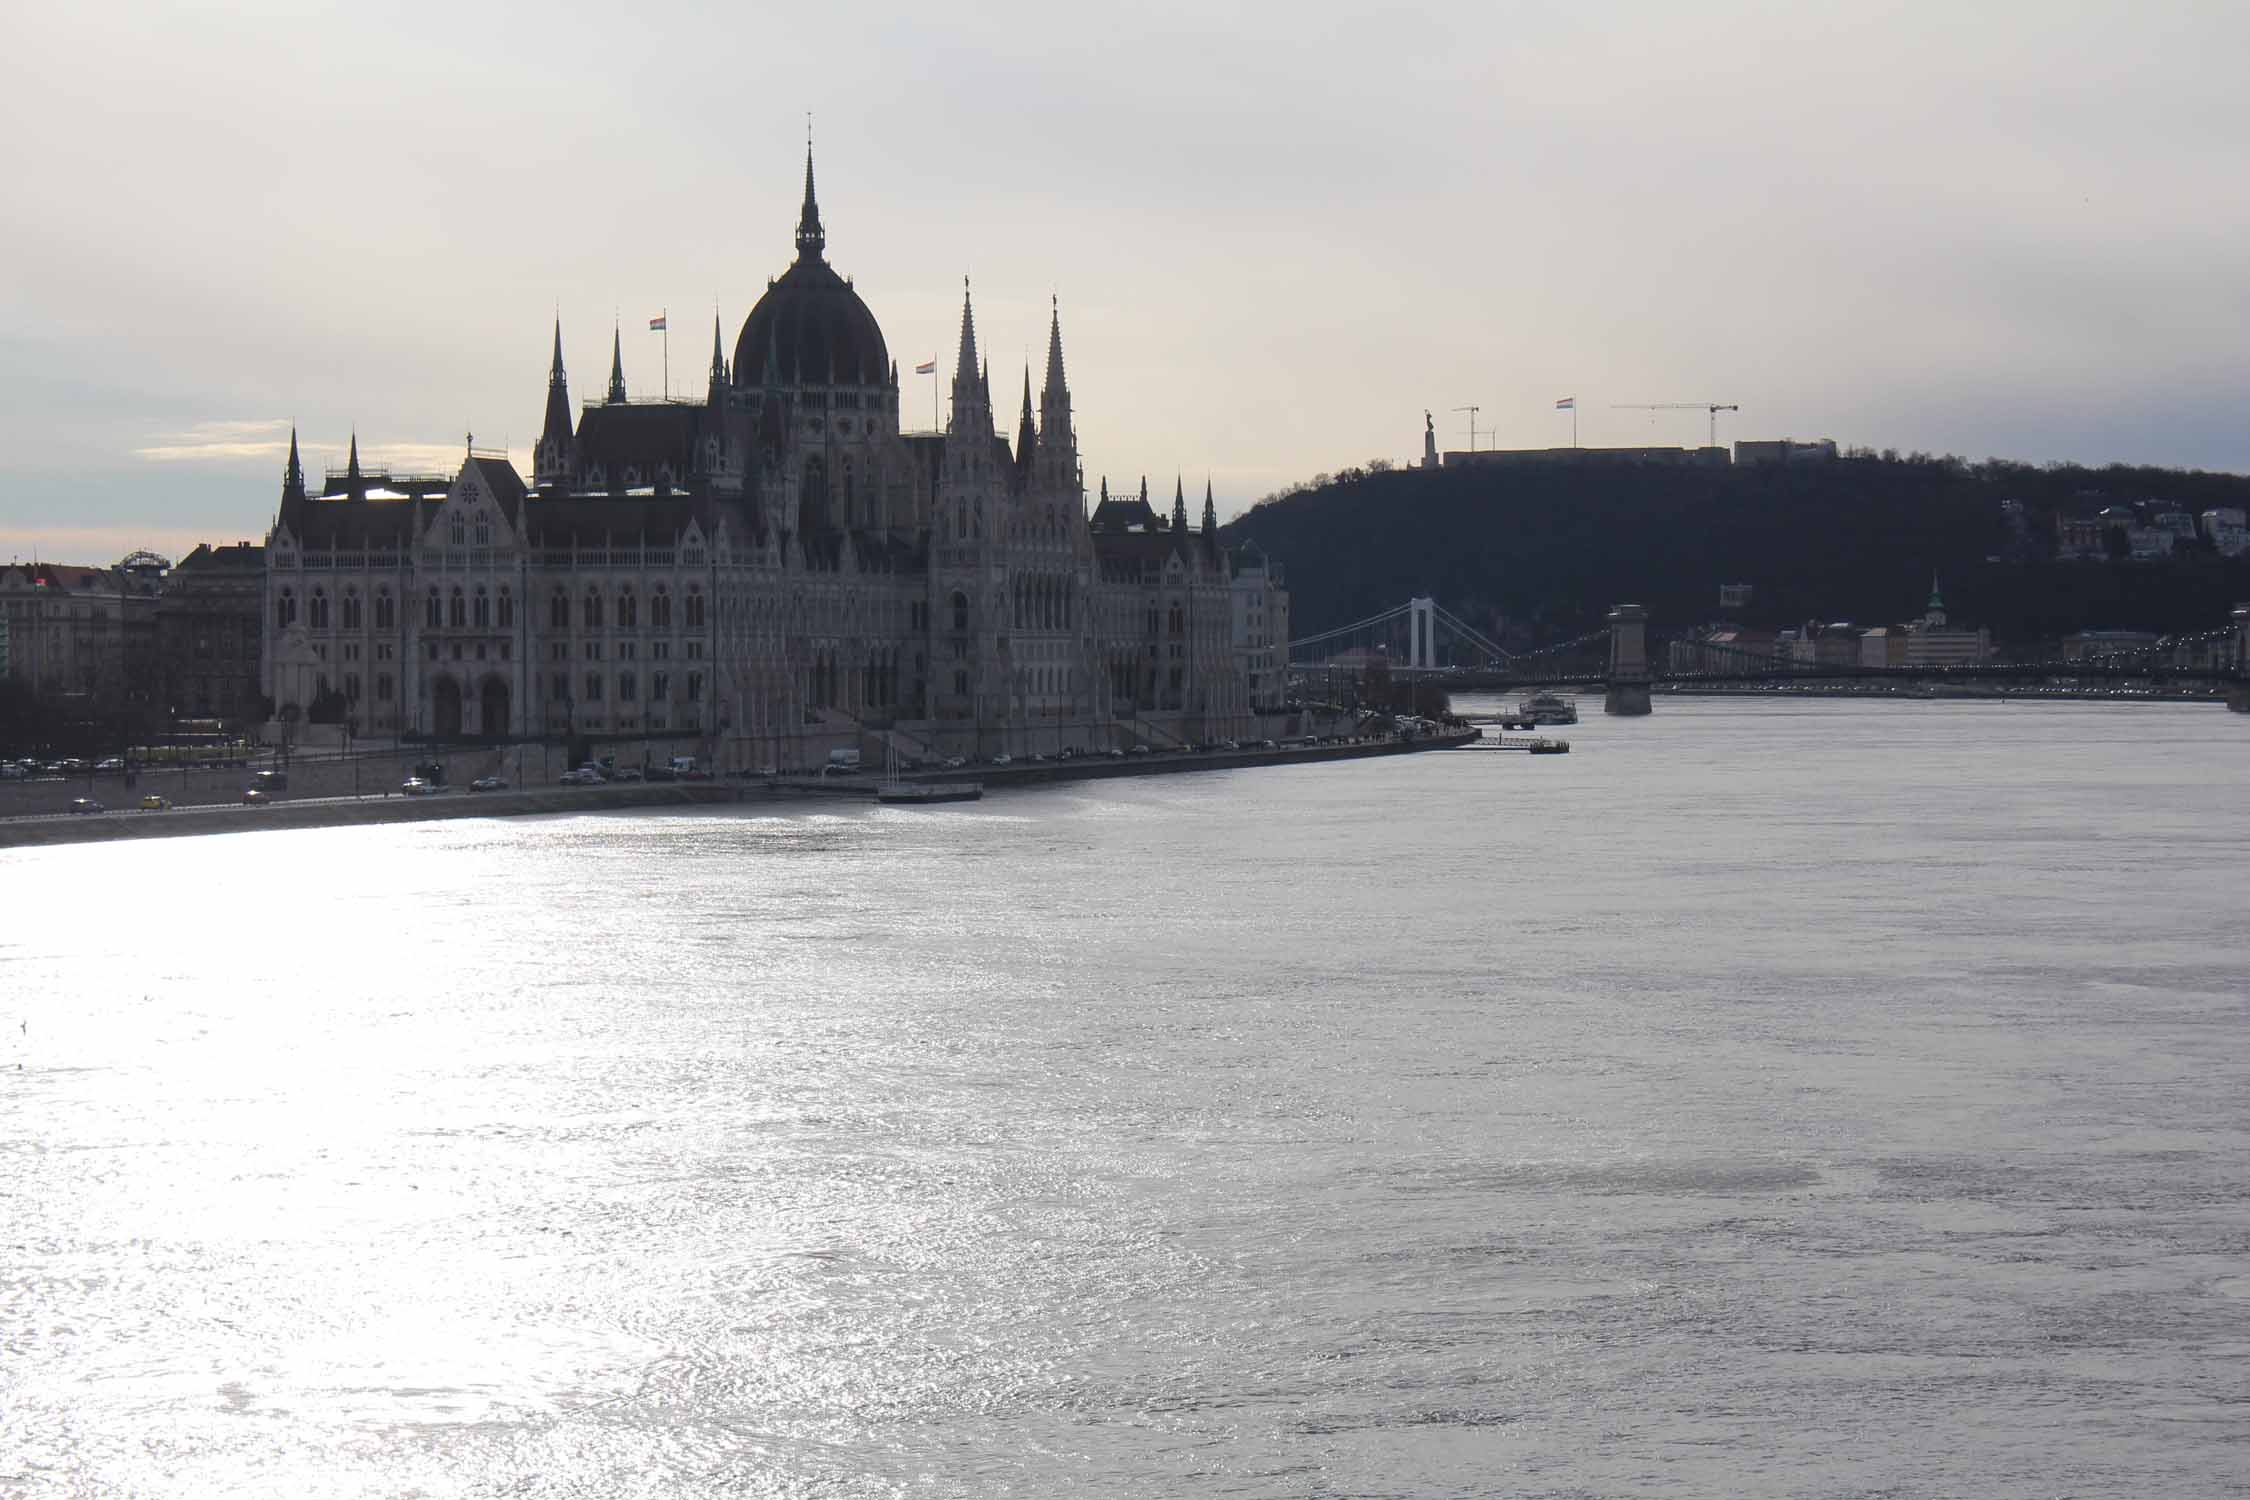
1371,621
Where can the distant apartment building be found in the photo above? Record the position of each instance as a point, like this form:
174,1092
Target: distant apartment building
1720,649
1934,641
209,631
2150,543
1785,451
83,631
1261,626
2078,537
2225,526
1883,646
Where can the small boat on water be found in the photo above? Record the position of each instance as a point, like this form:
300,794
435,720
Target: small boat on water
922,793
1547,708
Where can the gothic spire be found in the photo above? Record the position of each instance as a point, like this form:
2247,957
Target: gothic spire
1054,385
811,238
616,366
718,353
555,370
351,467
554,433
1179,508
965,369
1210,511
1027,436
293,477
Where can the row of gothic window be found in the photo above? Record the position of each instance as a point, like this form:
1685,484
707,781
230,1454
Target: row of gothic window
464,609
628,687
592,609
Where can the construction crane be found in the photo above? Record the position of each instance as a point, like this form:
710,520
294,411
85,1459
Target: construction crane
1472,411
1713,408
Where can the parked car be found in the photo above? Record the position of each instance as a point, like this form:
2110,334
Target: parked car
86,805
415,786
626,773
271,781
154,803
489,784
583,776
110,763
1003,759
256,794
1138,750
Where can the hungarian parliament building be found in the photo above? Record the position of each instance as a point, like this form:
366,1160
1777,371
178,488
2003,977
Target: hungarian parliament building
773,570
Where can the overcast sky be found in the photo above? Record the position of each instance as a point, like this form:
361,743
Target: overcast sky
1278,235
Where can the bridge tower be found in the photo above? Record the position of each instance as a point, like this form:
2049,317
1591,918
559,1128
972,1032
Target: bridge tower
1628,661
2238,696
1421,644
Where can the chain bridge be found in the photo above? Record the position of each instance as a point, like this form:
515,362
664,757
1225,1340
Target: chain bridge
1626,660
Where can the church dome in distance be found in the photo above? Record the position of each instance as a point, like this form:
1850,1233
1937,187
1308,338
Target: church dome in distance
810,326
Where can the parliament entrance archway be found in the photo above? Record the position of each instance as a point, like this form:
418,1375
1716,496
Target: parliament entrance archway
492,708
447,695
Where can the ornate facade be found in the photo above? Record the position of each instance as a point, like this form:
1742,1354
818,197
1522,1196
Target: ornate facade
773,570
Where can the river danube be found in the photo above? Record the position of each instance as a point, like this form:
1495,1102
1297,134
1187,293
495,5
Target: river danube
1769,1098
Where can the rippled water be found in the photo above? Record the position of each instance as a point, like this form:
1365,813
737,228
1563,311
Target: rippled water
1766,1099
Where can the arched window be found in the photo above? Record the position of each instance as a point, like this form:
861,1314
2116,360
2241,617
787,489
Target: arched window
694,607
386,610
484,532
434,615
960,612
460,533
483,608
593,612
351,609
628,610
319,609
460,608
625,687
507,610
285,610
558,610
660,609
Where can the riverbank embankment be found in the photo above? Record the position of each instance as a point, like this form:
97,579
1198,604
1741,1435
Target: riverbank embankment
341,812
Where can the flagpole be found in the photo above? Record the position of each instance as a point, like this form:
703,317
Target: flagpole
664,314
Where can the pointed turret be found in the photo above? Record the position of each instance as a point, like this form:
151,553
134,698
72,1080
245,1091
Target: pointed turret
293,477
965,368
972,397
718,359
1058,444
351,465
1055,385
812,240
616,367
1210,511
1179,508
1027,436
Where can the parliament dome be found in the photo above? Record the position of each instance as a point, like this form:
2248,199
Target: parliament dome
810,328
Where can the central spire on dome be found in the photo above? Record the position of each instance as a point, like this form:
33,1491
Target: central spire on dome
811,238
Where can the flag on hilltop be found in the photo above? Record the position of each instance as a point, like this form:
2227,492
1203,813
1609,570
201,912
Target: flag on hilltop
1567,403
656,324
927,366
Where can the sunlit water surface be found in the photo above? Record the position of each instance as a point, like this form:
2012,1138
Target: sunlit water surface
1766,1099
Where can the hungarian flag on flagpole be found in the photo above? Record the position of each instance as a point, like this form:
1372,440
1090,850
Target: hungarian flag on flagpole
1567,403
927,366
656,324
